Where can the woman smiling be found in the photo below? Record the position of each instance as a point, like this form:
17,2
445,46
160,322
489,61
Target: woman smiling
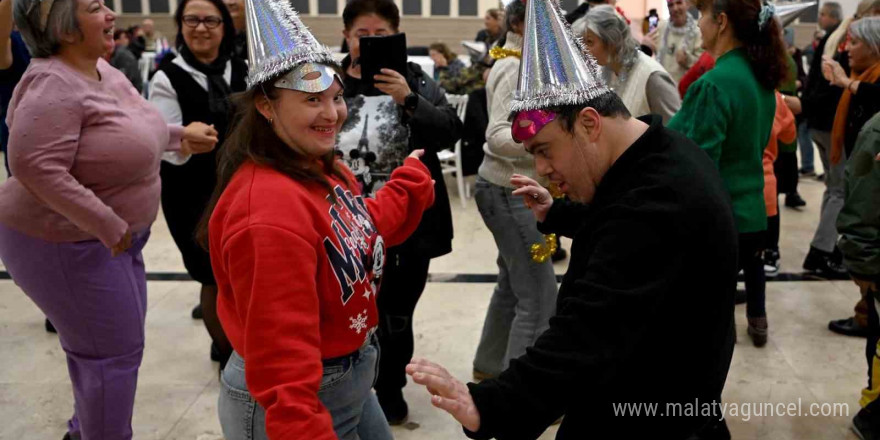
84,148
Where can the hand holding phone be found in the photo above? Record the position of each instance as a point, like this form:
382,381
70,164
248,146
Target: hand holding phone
384,52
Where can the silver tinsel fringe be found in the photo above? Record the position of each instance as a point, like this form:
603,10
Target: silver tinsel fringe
557,97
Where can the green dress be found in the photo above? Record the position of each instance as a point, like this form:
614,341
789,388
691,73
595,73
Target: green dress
729,115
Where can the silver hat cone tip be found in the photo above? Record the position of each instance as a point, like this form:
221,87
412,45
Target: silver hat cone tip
278,41
556,69
787,12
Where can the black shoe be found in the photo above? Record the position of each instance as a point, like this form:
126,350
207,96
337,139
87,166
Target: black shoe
197,312
806,173
559,255
395,408
69,436
741,296
794,200
821,177
822,264
866,425
848,327
771,263
50,328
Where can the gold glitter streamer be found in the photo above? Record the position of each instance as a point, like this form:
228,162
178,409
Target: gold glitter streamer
499,52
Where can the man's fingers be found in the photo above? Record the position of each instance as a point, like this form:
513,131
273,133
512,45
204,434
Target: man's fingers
423,361
435,370
451,406
442,386
520,180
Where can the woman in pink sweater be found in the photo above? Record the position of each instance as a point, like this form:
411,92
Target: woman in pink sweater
84,149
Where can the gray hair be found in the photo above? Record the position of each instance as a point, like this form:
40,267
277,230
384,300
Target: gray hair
43,43
834,10
612,29
868,30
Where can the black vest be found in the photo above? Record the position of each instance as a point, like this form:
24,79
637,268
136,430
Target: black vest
197,176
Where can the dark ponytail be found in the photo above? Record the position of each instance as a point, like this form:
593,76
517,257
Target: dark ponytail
764,46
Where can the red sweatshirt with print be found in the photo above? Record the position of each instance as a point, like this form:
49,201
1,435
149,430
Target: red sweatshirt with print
298,276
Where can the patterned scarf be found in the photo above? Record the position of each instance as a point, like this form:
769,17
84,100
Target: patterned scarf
838,130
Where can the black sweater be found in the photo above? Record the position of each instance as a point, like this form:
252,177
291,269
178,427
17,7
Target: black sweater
645,311
820,97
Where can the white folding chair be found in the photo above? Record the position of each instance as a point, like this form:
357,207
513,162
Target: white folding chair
450,160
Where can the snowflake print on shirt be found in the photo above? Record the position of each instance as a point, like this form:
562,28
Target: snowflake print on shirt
360,323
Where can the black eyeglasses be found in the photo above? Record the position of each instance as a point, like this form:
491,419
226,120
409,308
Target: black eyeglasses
194,21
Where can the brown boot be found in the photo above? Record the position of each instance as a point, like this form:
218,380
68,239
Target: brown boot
758,331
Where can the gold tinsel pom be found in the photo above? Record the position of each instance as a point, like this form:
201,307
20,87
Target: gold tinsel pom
541,252
499,52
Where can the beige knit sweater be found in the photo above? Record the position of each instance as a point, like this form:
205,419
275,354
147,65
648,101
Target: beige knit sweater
504,157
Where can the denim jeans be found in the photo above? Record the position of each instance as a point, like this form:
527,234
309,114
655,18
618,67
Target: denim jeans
525,296
345,391
805,145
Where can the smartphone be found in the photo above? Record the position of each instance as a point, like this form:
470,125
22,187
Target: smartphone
385,52
653,21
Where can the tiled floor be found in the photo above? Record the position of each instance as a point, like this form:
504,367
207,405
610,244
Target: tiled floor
178,389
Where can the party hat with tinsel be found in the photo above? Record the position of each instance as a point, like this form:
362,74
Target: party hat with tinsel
555,68
278,41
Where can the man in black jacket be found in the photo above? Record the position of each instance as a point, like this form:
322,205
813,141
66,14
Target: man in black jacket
423,119
820,105
655,200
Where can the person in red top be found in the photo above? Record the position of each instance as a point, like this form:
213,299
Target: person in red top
704,64
298,252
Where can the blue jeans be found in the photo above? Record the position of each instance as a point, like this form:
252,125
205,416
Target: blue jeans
525,296
805,144
345,391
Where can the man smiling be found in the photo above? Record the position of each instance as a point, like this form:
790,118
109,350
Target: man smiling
655,200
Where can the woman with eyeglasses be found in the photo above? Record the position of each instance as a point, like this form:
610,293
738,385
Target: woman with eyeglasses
195,86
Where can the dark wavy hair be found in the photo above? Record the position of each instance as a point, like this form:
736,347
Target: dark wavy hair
765,48
252,139
228,42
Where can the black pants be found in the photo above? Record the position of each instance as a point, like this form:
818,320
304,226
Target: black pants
403,282
786,170
773,232
750,246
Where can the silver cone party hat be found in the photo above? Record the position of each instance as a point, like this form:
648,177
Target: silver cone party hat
278,41
555,68
787,12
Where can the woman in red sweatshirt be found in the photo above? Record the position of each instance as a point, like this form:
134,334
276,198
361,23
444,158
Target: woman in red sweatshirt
298,256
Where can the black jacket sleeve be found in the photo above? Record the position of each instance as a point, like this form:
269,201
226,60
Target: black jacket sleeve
626,275
435,125
565,218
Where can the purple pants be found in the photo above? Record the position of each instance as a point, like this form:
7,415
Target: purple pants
98,305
